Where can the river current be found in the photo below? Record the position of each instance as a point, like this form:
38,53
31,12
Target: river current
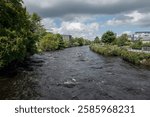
76,73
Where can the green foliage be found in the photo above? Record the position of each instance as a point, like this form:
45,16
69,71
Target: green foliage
146,45
137,45
49,42
108,37
18,32
132,57
122,40
97,40
80,41
87,42
107,50
67,43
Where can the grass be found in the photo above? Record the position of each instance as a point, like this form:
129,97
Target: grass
113,50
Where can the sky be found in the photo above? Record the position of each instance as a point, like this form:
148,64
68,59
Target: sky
91,18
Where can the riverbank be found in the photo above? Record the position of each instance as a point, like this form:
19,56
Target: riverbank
137,58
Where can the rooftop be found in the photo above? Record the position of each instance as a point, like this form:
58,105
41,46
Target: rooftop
143,32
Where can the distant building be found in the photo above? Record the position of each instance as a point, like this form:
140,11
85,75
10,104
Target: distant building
66,37
144,36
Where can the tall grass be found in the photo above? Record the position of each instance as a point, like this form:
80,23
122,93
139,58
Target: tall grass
113,50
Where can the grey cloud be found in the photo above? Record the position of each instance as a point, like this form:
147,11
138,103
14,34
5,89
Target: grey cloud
62,8
144,10
122,17
144,22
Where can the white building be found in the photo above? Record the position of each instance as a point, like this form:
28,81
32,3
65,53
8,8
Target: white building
144,36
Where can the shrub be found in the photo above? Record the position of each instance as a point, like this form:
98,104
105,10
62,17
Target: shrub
146,44
122,40
132,57
137,45
49,42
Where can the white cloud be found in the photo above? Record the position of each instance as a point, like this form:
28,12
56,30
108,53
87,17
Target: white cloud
136,16
115,22
76,29
132,18
48,24
127,32
74,26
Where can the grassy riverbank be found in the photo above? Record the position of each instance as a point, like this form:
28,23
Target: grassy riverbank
113,50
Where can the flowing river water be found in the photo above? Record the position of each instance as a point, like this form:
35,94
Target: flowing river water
76,73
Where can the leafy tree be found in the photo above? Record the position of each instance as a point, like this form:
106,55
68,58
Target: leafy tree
67,43
87,42
80,41
122,40
18,32
108,37
61,41
96,40
74,42
50,42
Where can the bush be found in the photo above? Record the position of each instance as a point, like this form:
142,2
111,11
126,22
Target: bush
146,44
12,48
107,50
49,42
132,57
19,32
122,40
137,45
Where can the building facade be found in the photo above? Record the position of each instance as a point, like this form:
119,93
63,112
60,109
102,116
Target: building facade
144,36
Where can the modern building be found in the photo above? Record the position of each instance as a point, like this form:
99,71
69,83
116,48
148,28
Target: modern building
66,37
143,35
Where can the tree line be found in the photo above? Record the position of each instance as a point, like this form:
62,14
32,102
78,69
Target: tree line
51,42
22,34
110,37
110,45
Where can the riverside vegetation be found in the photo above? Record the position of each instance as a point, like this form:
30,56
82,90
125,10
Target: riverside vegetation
118,47
22,35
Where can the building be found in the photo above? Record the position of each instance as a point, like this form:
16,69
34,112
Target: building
144,36
66,37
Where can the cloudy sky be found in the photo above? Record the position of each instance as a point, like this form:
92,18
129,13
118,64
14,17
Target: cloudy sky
91,18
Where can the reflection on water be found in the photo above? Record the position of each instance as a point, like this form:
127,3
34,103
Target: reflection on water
76,73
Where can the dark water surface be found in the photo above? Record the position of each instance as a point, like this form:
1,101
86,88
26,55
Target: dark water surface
76,73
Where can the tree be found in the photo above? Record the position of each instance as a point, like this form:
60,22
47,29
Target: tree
80,41
51,42
108,37
122,40
61,41
18,35
137,44
96,40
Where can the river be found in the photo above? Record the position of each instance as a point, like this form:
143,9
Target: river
76,73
